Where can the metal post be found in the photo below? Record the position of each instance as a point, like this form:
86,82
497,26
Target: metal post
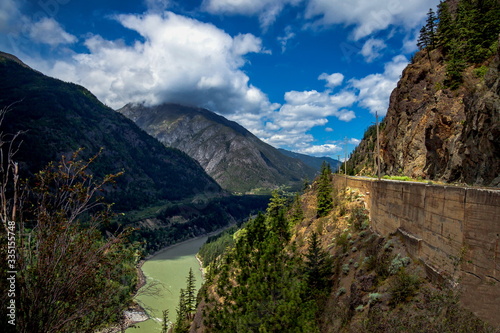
378,148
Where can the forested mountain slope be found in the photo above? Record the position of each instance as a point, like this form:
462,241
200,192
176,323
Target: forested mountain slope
234,157
58,118
312,264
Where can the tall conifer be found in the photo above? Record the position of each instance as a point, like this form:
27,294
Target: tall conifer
324,196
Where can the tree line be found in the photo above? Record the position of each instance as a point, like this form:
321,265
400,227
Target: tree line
262,283
466,33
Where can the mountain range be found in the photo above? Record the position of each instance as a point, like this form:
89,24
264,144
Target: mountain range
57,118
234,157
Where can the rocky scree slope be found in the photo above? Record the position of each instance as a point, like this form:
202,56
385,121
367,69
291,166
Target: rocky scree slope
234,157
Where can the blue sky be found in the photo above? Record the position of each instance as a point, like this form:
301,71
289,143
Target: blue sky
304,75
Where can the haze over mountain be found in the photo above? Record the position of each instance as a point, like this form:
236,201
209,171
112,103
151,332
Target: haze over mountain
312,161
58,118
233,156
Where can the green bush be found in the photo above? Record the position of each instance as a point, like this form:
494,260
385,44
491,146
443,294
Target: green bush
480,72
403,287
397,263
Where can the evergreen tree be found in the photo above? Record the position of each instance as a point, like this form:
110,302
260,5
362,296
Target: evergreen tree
318,268
427,38
324,196
260,283
467,35
297,211
181,324
164,325
277,203
190,293
445,28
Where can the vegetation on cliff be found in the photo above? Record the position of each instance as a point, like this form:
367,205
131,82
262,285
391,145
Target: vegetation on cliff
443,121
64,273
322,274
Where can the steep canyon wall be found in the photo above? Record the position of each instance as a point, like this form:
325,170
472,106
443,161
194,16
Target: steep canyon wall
454,231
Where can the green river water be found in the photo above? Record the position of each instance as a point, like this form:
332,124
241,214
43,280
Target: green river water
170,267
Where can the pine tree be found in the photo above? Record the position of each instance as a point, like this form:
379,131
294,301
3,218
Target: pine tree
180,323
164,325
266,292
277,203
297,211
190,292
324,196
445,28
318,268
427,38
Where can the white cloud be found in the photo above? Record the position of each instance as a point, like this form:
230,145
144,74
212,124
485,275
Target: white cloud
368,16
375,89
48,31
302,111
354,141
10,16
328,149
267,10
157,5
181,60
289,34
332,80
371,49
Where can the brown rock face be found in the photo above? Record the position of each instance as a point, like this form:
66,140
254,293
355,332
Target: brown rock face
431,132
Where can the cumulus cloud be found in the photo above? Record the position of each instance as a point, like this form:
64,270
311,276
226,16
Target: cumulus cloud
179,60
368,16
332,80
371,49
375,89
48,31
354,141
267,10
290,125
304,110
328,149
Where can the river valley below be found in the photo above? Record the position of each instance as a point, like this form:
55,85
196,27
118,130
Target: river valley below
170,267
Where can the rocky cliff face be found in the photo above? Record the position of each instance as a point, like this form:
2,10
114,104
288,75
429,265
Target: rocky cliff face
234,157
435,133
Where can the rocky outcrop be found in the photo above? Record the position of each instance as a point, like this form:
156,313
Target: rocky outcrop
435,133
234,157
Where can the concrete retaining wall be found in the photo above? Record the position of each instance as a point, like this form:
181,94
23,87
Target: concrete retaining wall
440,225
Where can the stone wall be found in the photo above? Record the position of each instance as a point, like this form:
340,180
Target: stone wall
441,225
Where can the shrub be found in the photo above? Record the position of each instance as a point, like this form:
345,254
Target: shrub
404,286
480,72
343,241
358,218
341,291
397,263
374,298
